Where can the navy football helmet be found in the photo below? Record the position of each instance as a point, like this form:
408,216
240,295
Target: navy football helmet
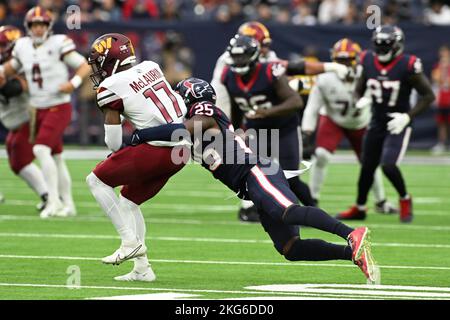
194,90
388,42
243,53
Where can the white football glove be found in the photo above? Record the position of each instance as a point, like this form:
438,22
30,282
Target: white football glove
398,123
363,102
341,70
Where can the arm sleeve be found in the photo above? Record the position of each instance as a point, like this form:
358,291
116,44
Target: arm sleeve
113,136
315,102
160,133
12,88
294,68
73,59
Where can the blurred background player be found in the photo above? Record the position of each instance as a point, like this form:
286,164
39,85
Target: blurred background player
260,94
45,59
389,75
14,115
332,98
144,97
441,78
259,32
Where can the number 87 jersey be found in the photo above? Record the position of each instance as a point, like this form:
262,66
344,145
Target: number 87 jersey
389,84
144,97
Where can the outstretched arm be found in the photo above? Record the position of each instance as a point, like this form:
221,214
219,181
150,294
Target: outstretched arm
168,132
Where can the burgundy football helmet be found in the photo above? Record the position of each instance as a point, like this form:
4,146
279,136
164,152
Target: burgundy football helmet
8,37
35,15
108,53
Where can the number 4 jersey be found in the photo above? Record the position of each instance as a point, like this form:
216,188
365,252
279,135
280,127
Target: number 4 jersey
44,68
389,84
144,97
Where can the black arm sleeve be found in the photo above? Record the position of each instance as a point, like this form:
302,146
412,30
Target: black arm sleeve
12,88
426,95
294,68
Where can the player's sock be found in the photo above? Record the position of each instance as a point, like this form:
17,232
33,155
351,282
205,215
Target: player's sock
34,178
316,218
318,171
141,264
49,170
378,187
394,175
245,204
64,181
317,250
301,190
109,202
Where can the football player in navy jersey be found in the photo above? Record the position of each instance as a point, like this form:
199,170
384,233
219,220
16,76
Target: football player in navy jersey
389,75
227,157
263,100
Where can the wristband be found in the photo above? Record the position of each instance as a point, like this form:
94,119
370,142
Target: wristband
76,81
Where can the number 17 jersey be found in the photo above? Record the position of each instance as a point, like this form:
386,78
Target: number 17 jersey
144,97
389,84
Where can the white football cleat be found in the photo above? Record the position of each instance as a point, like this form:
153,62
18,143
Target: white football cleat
147,276
125,253
66,211
52,210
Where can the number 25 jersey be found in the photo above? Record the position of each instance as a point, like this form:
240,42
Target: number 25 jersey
389,84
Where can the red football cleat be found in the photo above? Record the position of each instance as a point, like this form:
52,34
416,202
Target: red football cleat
368,266
352,214
406,214
357,240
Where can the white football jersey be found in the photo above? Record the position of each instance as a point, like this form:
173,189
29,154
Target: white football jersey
144,97
44,68
14,112
333,97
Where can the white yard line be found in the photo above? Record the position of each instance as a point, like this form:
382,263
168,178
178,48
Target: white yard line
100,218
196,239
252,263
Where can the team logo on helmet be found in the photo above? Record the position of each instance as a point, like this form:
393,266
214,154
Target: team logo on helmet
102,45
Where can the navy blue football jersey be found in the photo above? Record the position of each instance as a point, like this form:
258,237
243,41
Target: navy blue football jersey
220,150
389,84
258,92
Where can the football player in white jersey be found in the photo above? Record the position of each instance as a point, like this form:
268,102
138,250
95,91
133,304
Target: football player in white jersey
259,31
15,117
142,95
45,59
332,99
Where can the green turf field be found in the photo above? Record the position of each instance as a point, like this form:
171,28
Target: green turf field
199,250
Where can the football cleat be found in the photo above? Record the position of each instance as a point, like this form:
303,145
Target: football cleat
352,214
385,207
249,214
406,214
147,276
125,253
52,210
357,239
369,267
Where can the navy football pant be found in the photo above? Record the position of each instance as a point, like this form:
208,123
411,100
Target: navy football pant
281,216
387,150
